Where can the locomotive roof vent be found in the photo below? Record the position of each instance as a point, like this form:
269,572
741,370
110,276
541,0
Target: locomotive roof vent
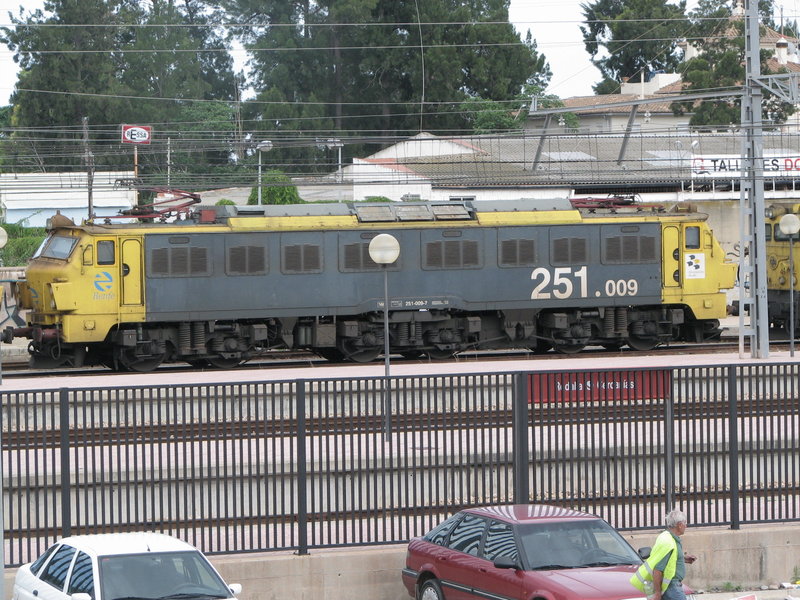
412,211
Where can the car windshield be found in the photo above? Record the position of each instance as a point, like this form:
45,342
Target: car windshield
159,575
56,246
573,544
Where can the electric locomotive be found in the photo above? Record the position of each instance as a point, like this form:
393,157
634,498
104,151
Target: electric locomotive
225,283
783,260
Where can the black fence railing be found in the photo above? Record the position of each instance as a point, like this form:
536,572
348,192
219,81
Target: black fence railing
296,465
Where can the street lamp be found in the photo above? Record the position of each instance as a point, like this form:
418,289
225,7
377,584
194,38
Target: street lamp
790,225
384,249
264,146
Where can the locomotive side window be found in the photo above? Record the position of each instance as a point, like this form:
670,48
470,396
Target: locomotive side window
452,254
692,237
628,249
179,262
247,260
59,247
517,253
301,258
105,252
355,257
568,251
768,232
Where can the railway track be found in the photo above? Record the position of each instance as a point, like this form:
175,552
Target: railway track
542,415
18,367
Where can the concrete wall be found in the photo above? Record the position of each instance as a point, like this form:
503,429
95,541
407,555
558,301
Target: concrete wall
749,557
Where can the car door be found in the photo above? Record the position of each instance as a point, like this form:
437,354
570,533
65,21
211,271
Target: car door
52,580
457,565
491,582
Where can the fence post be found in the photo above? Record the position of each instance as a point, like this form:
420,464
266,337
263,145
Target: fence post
302,472
519,435
66,504
669,450
733,447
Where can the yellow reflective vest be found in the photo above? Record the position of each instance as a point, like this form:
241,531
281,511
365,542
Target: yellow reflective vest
642,579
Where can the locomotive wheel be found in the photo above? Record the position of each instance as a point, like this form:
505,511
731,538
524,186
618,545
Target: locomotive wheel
128,361
359,354
643,343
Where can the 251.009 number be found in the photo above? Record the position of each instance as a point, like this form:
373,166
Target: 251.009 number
561,282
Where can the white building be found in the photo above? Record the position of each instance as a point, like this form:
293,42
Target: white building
31,198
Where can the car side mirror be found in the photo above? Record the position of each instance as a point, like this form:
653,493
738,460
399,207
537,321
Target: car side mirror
645,552
236,588
505,562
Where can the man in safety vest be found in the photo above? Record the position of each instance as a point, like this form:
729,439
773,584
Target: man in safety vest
661,575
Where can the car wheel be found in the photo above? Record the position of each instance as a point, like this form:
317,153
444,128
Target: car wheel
431,590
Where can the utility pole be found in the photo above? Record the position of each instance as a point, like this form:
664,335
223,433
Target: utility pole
89,157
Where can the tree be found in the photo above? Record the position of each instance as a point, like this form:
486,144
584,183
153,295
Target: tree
389,66
623,43
719,36
93,59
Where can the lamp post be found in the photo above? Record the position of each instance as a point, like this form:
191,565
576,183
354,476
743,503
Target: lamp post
790,225
264,146
384,249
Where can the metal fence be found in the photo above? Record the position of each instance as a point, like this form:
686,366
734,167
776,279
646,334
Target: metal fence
317,463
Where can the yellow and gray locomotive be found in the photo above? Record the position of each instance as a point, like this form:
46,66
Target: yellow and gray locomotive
226,283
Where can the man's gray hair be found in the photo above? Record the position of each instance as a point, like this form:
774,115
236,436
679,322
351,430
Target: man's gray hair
674,518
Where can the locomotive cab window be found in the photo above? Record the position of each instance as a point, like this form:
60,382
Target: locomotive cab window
768,232
105,252
59,246
692,238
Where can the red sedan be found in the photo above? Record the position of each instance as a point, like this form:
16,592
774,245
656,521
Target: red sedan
521,552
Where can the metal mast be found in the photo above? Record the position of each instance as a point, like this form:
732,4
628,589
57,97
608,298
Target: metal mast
752,260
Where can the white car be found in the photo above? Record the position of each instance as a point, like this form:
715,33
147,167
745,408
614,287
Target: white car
116,566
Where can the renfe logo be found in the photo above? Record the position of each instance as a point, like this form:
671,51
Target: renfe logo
103,281
136,134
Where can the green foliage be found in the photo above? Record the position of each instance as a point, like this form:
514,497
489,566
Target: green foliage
22,243
277,188
381,65
624,44
377,199
488,116
720,65
225,202
107,77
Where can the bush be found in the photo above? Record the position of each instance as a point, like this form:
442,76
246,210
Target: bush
276,188
22,243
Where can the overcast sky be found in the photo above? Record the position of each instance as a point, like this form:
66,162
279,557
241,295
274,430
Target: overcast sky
553,23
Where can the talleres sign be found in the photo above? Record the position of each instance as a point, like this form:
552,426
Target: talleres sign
136,134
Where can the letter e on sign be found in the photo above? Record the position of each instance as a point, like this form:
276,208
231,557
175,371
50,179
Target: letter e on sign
136,134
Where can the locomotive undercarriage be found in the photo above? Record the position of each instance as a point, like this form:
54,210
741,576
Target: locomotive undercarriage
440,334
412,334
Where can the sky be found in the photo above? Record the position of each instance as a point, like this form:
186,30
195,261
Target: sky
554,24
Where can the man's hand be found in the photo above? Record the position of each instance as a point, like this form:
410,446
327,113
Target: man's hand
689,558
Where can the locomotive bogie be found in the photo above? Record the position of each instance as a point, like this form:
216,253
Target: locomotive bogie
473,277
